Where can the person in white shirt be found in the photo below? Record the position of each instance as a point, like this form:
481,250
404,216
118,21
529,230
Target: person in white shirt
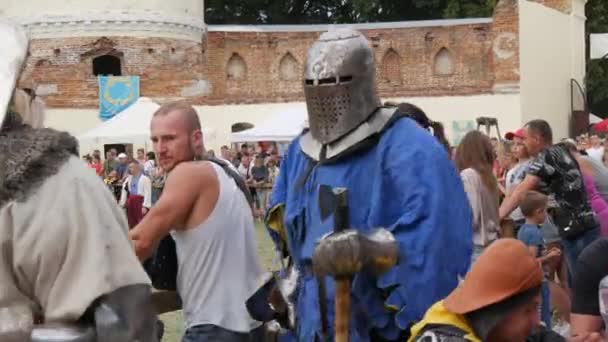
474,159
245,166
136,195
596,151
141,156
209,217
517,173
149,164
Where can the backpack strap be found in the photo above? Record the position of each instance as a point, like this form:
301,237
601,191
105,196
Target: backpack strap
238,179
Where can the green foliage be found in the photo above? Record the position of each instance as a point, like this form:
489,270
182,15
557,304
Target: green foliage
468,9
340,11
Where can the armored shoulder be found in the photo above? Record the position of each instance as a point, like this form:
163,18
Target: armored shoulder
363,136
28,157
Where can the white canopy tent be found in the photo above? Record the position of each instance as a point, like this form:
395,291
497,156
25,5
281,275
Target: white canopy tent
599,45
282,126
593,119
131,126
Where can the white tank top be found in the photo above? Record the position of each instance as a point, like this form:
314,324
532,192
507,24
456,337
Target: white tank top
218,262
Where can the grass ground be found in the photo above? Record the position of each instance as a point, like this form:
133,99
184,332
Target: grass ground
173,321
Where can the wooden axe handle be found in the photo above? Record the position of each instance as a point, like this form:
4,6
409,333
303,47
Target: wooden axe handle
342,309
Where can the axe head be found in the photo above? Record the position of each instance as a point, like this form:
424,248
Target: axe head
330,199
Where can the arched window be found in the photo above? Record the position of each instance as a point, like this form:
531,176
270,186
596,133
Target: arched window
236,69
107,65
288,68
391,67
444,63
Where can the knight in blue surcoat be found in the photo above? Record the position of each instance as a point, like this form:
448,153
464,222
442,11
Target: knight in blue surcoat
398,177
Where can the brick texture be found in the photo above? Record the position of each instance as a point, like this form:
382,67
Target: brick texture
164,66
483,55
505,43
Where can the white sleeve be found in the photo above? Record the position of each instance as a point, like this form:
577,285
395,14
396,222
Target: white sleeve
147,191
470,179
16,307
123,193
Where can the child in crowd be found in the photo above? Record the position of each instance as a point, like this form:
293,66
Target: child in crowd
534,209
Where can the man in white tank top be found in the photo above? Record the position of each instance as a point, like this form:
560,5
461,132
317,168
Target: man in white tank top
211,222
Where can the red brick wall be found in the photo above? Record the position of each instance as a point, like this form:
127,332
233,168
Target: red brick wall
414,50
505,43
167,67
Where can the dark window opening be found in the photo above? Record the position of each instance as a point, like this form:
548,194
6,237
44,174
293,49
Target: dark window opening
107,65
241,126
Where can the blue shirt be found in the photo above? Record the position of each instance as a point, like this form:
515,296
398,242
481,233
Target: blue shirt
532,236
133,185
121,170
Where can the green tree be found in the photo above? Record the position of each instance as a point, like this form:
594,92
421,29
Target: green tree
597,70
270,11
340,11
468,9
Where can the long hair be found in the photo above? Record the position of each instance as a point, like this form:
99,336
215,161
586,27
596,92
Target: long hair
475,151
418,115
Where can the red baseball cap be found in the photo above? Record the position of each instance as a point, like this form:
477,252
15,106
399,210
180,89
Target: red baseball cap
517,134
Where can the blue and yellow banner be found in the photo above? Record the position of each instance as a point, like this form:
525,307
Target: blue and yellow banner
116,93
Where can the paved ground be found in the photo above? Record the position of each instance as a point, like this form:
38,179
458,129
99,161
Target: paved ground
173,321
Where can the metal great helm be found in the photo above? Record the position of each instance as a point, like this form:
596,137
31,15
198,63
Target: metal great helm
12,55
339,84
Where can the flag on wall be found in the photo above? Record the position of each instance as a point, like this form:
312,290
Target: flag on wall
116,93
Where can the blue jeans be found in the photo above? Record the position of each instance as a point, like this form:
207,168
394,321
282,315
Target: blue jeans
545,306
213,333
573,248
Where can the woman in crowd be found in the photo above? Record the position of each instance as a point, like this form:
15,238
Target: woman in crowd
258,180
273,173
136,196
506,161
96,164
517,173
150,164
113,184
474,159
158,177
418,115
598,203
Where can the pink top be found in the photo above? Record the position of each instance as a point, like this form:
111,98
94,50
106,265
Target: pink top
598,204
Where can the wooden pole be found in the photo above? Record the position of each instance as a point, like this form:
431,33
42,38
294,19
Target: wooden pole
342,309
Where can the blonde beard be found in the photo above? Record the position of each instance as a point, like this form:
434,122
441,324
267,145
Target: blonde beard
30,110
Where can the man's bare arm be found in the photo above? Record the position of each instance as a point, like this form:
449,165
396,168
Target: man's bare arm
182,189
511,202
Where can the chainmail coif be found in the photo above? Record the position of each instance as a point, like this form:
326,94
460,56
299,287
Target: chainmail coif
28,156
